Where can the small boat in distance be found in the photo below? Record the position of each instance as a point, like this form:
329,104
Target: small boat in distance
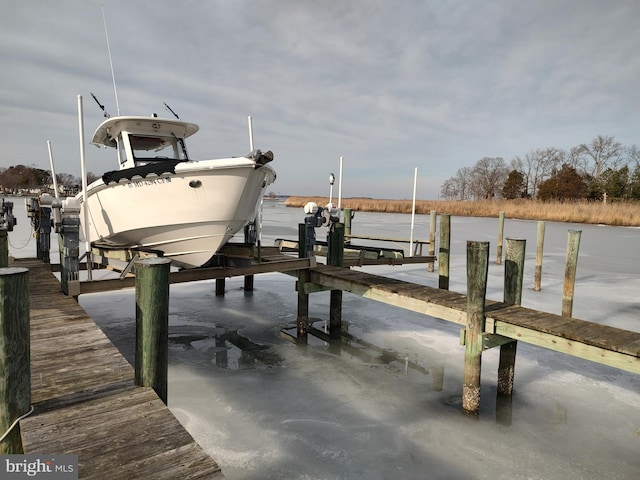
161,200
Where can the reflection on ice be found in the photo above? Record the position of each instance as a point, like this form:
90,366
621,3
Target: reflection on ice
223,348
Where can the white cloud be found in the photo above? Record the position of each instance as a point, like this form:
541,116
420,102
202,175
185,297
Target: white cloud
389,85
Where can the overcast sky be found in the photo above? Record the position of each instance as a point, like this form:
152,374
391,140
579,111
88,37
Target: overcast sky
390,85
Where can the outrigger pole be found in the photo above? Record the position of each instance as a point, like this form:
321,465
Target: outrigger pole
113,76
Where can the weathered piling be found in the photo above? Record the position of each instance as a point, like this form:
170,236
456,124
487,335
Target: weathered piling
444,251
537,279
513,277
432,237
302,319
573,246
220,286
335,257
477,271
250,238
15,357
4,249
347,216
152,324
500,237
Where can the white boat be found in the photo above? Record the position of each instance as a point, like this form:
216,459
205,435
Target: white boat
161,200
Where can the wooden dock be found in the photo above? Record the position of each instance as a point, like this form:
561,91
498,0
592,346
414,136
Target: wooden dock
592,341
85,401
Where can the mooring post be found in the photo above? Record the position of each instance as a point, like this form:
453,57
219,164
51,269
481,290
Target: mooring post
573,246
302,320
336,258
347,217
500,237
4,248
250,238
220,286
432,237
537,279
152,324
477,271
513,277
15,356
444,251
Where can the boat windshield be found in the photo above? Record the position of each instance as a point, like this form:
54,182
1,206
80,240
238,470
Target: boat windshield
156,148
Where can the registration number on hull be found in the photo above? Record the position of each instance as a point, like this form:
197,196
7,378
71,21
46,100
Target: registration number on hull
149,181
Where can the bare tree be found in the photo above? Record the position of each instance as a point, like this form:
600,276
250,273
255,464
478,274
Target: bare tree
601,151
458,186
488,177
537,166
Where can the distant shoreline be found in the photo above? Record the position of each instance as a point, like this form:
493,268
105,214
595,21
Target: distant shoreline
613,213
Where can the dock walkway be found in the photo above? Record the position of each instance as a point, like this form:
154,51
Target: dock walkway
592,341
85,401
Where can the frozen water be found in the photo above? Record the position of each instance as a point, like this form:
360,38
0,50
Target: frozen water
387,403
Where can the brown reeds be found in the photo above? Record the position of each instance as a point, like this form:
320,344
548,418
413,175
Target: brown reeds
612,213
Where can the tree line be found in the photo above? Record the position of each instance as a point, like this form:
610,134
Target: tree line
20,178
587,171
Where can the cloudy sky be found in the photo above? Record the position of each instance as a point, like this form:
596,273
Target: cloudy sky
390,85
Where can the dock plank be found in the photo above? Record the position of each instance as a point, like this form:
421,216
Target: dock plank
85,401
593,341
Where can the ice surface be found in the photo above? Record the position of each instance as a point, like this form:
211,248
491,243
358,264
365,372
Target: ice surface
387,404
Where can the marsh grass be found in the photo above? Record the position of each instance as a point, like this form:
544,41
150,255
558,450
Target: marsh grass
612,213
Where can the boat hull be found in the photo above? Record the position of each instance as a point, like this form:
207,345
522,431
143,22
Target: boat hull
187,215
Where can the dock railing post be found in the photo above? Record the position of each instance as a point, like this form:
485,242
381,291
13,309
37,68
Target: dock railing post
336,258
152,324
4,248
477,271
15,356
500,237
432,238
573,246
537,279
444,251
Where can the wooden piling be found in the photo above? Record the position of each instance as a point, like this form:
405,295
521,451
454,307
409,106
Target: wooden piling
537,279
444,251
347,216
4,249
500,237
336,259
573,246
220,286
15,357
250,238
513,278
302,319
152,324
432,237
477,271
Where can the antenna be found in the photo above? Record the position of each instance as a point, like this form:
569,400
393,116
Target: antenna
169,108
106,114
113,77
